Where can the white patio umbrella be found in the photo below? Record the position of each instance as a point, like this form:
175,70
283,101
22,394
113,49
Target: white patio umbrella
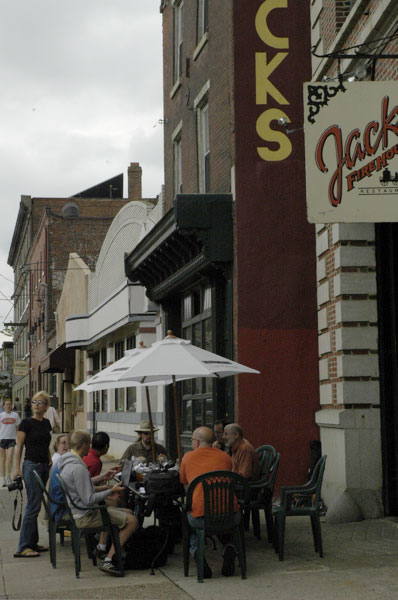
179,359
105,379
170,360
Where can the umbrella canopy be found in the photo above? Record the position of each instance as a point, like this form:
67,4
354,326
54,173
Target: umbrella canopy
170,360
178,358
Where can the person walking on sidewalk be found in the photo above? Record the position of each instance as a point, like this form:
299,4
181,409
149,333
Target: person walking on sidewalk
35,435
9,421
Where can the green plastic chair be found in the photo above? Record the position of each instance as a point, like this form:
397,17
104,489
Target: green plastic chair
77,533
301,500
219,489
261,493
54,526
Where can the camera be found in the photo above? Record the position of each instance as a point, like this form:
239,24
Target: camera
17,484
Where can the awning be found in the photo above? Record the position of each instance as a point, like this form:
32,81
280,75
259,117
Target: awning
58,360
195,236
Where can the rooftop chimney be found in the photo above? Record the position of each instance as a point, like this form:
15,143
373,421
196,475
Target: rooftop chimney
134,176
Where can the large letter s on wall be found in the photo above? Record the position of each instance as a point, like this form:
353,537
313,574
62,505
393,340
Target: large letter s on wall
264,130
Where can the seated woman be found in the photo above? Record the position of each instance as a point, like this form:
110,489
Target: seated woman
60,447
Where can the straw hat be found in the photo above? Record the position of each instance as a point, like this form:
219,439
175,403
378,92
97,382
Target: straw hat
145,427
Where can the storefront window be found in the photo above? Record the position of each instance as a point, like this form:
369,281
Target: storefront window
197,394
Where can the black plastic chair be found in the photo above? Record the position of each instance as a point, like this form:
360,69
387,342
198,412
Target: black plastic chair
219,489
54,526
261,493
88,532
301,500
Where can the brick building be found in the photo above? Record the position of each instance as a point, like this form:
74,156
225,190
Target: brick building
47,229
357,296
232,261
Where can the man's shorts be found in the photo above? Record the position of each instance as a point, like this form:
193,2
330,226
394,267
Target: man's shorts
93,518
5,444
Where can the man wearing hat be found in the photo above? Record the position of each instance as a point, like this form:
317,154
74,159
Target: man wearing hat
142,447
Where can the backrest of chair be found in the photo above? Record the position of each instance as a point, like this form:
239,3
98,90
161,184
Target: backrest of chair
319,470
68,500
45,495
219,497
265,454
273,471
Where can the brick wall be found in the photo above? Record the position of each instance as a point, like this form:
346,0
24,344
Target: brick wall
198,68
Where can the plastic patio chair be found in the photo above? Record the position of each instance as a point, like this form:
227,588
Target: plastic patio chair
301,500
54,526
261,493
77,533
219,492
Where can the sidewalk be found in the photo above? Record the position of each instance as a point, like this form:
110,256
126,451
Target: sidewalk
361,562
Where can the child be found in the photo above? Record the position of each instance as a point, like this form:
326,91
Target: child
9,422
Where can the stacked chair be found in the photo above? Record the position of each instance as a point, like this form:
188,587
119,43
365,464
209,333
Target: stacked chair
300,501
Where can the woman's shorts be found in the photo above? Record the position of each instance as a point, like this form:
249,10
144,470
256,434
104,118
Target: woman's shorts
5,444
94,519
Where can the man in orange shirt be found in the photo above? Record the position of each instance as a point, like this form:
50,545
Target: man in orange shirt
244,457
202,459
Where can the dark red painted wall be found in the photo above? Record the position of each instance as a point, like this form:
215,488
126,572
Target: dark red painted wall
276,315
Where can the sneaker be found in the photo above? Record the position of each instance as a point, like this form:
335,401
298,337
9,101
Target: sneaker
228,565
107,567
101,554
207,572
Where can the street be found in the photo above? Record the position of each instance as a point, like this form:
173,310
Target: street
361,562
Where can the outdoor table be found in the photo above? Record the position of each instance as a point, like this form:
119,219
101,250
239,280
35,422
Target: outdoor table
157,504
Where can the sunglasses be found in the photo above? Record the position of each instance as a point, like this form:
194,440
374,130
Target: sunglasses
39,402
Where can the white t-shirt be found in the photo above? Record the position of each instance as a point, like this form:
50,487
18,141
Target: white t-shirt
8,425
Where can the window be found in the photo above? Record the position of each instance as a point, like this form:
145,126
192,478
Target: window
197,394
104,400
203,148
177,161
119,350
177,40
119,399
130,342
131,394
203,18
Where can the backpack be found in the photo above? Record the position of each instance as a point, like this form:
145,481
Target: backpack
143,547
164,483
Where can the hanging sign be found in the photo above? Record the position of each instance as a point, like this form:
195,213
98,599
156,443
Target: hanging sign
351,151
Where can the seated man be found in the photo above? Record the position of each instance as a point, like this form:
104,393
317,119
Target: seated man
80,487
142,447
99,447
218,429
244,457
202,459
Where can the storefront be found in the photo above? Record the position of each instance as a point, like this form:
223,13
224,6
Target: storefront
185,263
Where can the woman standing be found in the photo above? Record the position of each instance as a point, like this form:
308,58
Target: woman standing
35,435
27,409
9,421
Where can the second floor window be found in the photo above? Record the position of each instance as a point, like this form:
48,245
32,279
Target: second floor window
177,157
203,148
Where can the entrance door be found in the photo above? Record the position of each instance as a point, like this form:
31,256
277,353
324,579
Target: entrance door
387,300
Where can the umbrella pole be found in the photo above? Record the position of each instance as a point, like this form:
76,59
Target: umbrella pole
148,402
177,418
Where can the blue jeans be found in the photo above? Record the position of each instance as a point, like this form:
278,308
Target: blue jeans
197,523
29,535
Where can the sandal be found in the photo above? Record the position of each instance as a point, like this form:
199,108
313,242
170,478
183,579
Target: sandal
39,548
26,553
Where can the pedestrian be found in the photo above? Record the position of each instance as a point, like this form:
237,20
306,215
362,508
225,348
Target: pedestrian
9,421
52,415
17,405
35,435
27,409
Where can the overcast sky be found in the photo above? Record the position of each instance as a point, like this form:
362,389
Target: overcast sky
81,92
